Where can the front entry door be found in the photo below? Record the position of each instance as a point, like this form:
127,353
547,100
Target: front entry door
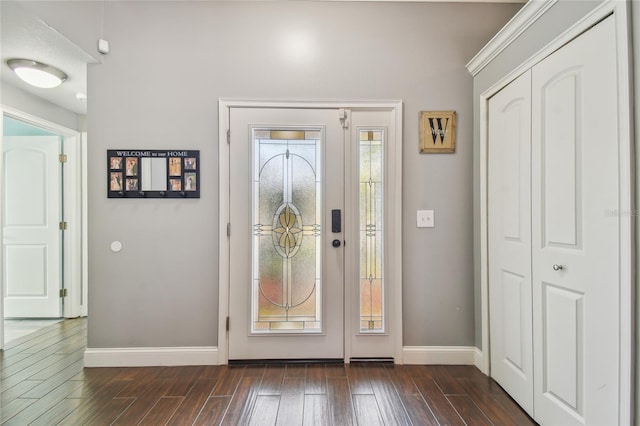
286,296
31,234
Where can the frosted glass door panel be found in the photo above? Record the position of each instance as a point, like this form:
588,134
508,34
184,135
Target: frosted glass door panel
287,220
371,231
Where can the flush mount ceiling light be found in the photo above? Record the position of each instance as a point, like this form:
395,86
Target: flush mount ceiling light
36,73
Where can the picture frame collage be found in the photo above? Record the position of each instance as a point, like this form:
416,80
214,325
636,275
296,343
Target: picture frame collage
153,173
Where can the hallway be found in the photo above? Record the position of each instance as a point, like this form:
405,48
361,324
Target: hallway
43,383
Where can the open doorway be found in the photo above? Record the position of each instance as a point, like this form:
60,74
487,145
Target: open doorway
42,250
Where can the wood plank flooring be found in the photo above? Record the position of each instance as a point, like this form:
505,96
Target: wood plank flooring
43,382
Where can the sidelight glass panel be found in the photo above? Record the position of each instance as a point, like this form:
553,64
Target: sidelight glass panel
286,231
371,231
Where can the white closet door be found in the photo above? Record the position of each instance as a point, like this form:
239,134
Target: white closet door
509,206
576,277
31,238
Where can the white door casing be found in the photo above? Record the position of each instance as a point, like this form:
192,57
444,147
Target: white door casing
576,270
354,116
75,194
31,234
509,203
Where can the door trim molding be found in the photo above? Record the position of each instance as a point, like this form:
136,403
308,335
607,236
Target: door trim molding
620,11
394,236
75,190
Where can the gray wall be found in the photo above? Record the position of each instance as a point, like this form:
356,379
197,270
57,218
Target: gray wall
26,102
158,88
554,22
14,127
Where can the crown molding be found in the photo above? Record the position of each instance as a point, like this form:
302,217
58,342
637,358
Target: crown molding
525,17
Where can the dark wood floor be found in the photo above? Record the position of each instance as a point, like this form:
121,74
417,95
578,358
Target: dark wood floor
43,382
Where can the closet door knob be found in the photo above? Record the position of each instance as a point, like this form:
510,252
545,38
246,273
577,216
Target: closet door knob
557,267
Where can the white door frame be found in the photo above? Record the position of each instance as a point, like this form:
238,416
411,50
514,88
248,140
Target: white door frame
626,176
393,198
75,247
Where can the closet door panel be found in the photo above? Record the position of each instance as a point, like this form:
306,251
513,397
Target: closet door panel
575,240
561,154
509,208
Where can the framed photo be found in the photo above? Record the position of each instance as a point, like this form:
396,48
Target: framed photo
190,163
132,184
175,185
115,163
190,183
153,173
175,166
115,182
437,130
131,166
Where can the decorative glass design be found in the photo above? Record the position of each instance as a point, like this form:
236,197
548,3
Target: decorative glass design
371,231
287,213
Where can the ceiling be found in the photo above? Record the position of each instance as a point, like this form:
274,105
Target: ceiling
25,36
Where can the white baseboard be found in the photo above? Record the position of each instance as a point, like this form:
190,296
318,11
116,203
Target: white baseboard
150,357
448,355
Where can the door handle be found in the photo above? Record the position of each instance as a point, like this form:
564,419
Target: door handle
557,267
336,221
335,243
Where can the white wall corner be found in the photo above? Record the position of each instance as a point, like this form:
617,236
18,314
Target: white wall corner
439,355
150,357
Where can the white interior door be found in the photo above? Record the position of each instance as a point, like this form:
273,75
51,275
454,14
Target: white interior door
31,239
286,296
576,232
509,204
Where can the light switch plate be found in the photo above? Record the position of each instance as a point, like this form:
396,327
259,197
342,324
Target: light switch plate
425,219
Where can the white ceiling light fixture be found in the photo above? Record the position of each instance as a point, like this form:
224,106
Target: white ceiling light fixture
36,73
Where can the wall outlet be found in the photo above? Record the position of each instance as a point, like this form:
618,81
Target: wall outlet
425,219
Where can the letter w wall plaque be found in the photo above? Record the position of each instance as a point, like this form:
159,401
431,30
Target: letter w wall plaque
437,131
